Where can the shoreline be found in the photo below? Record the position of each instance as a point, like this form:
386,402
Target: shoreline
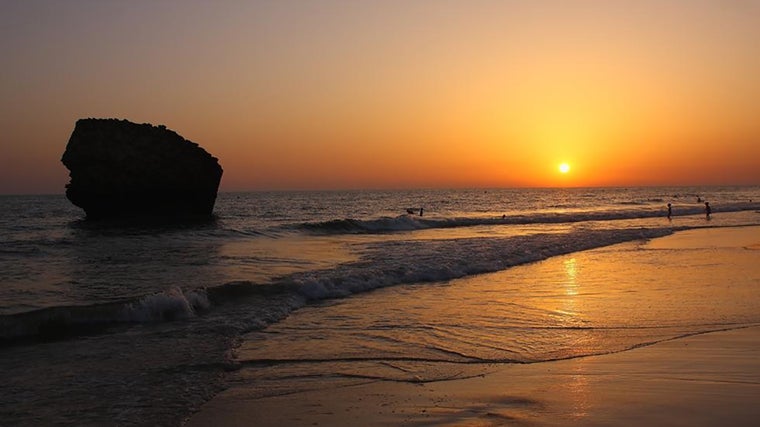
705,379
702,380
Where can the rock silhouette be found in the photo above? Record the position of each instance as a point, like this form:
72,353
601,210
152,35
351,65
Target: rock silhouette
121,169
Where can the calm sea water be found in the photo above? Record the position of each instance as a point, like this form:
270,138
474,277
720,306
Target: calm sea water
116,324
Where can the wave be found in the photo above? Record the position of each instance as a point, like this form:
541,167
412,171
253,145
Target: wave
407,262
380,225
59,322
54,323
248,305
413,222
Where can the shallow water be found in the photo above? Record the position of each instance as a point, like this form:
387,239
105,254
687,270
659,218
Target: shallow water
135,324
592,302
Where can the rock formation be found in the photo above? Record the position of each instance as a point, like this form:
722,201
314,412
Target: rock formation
122,169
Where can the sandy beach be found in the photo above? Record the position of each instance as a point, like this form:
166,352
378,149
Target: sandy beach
704,379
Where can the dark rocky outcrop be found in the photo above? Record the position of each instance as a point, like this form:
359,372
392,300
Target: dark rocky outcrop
121,169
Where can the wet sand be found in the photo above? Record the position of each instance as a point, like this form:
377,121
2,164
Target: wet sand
706,380
700,380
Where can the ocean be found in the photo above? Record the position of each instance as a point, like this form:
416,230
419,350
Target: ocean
111,323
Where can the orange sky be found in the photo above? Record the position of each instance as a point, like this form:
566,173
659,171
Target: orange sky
395,94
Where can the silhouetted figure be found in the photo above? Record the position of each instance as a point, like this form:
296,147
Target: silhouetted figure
699,199
670,210
504,216
420,211
708,211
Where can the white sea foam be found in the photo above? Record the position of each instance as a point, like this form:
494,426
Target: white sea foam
413,222
405,262
170,304
383,263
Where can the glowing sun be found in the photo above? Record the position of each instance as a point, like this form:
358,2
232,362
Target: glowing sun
564,168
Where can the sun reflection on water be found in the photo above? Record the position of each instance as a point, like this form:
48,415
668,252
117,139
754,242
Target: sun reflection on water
579,392
571,287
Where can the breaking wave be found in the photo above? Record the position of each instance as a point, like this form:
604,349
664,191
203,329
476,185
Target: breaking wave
413,222
383,264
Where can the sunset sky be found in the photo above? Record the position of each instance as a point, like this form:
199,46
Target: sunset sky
394,94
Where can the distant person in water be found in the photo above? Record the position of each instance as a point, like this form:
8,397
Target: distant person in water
699,199
708,211
670,210
420,211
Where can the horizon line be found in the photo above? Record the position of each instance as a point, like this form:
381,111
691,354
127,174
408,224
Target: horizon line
462,188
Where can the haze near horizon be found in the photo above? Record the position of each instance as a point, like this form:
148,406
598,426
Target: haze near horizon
339,94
